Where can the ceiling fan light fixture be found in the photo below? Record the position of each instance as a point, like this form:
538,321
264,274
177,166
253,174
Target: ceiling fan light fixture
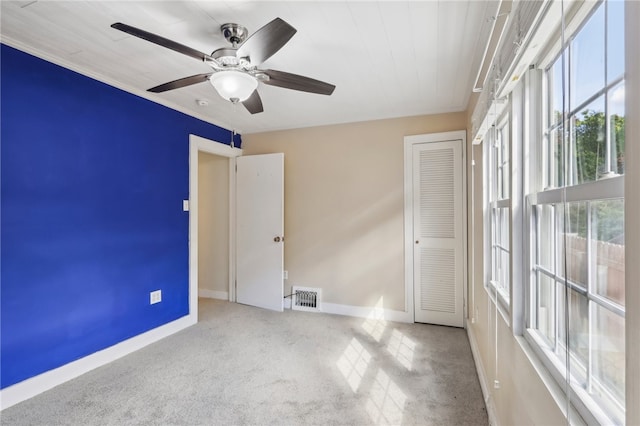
234,85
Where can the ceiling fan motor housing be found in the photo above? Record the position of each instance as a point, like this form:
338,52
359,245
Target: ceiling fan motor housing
234,33
225,56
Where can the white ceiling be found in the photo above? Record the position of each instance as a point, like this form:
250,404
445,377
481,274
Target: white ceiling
386,58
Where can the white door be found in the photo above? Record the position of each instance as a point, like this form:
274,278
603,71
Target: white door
260,230
438,232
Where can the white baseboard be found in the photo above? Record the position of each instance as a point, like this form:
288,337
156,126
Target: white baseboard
36,385
367,312
482,377
361,311
213,294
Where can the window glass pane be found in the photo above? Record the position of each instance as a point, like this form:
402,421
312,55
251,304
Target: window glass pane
503,155
546,236
587,60
504,226
495,237
576,241
498,174
607,233
546,308
608,353
504,277
615,39
616,113
587,157
555,159
554,81
500,252
561,222
578,330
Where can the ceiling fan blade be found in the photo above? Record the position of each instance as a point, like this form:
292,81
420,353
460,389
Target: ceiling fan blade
161,41
262,44
298,82
253,104
181,82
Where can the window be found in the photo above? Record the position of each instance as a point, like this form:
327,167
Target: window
576,291
499,177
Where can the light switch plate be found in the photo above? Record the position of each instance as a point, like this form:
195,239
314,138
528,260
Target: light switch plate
185,205
155,297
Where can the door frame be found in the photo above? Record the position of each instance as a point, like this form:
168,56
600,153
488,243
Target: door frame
409,142
199,144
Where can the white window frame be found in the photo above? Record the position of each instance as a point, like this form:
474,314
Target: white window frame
594,191
499,173
604,189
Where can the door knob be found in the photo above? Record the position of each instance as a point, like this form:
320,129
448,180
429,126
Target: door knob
276,239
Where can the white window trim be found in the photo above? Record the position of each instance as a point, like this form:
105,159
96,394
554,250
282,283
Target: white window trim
493,289
590,412
603,189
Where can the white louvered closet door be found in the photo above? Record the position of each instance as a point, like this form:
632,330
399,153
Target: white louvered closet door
438,232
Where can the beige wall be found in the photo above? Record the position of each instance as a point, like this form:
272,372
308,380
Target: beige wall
213,223
344,201
632,212
523,398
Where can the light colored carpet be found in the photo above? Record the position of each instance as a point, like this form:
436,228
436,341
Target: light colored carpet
244,365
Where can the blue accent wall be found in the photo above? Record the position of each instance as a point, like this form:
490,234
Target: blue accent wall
92,179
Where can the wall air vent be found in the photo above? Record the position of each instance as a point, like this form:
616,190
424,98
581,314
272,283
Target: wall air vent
306,299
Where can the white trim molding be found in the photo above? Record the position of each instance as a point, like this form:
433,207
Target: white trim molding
369,312
482,378
198,144
213,294
33,386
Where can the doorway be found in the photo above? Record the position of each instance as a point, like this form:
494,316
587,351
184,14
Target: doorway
213,226
435,227
262,182
216,159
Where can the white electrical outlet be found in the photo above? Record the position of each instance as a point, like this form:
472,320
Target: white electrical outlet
155,297
285,275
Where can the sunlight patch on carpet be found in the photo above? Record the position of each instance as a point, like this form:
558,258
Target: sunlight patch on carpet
386,401
402,348
353,363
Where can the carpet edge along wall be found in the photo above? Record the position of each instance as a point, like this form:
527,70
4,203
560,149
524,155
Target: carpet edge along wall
92,179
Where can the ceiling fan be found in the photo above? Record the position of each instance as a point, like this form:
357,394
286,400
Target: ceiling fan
235,73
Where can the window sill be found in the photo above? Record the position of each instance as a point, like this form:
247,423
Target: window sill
582,408
500,301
